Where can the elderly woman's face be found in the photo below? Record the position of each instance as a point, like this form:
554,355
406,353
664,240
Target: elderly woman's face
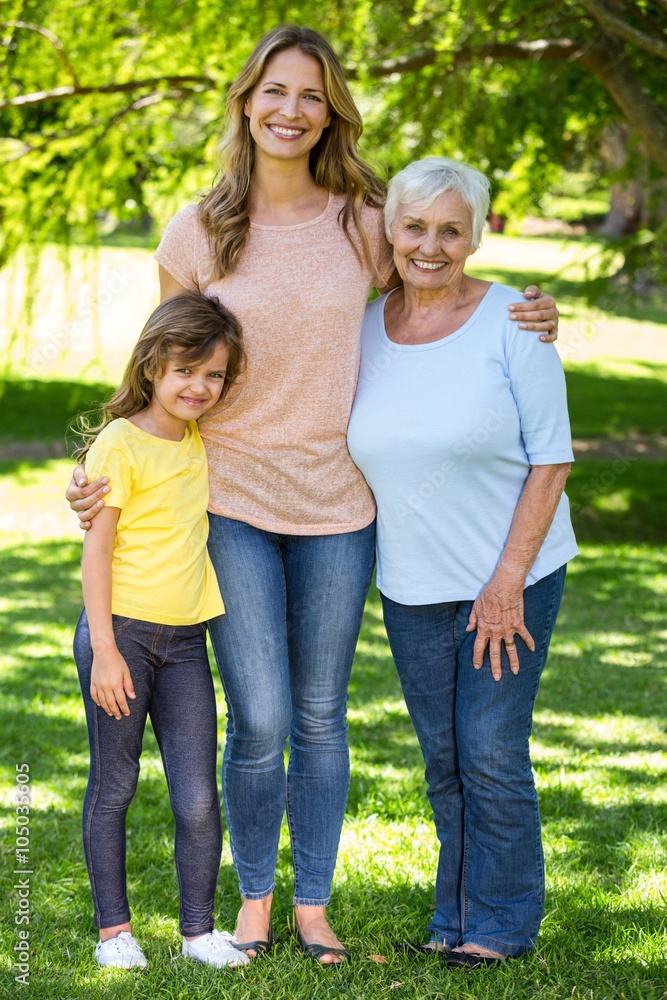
431,245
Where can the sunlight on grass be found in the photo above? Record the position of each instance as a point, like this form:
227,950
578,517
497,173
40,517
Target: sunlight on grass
599,753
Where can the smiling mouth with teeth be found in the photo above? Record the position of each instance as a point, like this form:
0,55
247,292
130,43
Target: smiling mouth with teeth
429,265
283,130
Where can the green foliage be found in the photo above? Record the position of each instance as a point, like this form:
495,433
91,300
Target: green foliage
72,164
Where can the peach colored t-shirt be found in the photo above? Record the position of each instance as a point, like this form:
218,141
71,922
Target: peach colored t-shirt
276,446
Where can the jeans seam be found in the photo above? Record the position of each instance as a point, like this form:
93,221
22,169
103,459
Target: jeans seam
154,644
96,793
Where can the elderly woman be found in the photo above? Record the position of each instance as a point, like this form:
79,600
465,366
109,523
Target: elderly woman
461,430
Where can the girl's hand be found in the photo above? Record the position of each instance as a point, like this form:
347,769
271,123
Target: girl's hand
532,315
497,614
86,499
111,683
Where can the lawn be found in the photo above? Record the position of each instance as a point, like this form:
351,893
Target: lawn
598,747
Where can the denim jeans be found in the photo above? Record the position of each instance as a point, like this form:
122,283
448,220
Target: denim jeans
285,649
173,684
473,733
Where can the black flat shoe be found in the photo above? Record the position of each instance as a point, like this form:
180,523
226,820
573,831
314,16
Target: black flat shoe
261,947
469,960
417,948
316,951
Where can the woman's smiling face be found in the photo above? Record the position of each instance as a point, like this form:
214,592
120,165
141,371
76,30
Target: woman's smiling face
288,108
432,245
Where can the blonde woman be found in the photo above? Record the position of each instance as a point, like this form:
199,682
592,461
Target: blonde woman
291,240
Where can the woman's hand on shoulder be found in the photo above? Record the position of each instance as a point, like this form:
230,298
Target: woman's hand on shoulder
497,614
86,498
538,312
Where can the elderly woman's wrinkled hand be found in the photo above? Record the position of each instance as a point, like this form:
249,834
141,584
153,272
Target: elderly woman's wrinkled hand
498,616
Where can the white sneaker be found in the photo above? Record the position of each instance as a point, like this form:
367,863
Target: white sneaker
214,948
121,952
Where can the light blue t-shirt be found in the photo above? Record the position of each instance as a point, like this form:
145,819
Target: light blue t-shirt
445,434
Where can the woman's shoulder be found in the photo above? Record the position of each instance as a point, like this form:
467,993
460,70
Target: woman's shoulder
503,294
186,221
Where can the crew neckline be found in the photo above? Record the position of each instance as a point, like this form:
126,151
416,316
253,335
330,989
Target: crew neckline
187,433
432,344
298,225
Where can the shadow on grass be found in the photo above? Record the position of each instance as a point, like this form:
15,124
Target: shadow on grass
606,403
588,926
40,410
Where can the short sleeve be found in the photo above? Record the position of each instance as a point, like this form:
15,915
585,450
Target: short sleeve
537,382
383,252
180,249
105,458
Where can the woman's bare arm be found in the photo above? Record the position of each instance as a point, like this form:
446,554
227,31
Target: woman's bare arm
110,681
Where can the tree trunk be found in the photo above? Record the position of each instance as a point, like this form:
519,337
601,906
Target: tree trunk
607,60
627,201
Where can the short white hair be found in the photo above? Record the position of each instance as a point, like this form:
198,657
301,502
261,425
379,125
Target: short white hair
420,183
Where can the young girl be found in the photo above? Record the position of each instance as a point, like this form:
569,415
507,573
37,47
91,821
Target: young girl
140,645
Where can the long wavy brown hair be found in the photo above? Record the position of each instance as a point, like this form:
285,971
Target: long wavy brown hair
192,324
334,161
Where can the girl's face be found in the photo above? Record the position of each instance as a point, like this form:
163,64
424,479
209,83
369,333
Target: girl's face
288,108
185,392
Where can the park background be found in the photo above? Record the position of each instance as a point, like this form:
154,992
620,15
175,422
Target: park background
109,117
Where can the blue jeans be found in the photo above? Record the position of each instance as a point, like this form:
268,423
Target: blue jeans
285,649
473,733
173,684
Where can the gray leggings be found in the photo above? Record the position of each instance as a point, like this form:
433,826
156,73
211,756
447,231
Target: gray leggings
172,680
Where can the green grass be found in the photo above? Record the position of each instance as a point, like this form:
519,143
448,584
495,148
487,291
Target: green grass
598,749
610,398
600,760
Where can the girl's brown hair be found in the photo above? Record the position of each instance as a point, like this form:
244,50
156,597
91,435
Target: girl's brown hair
191,323
334,161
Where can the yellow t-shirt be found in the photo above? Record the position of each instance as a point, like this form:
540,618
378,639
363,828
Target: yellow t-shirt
161,571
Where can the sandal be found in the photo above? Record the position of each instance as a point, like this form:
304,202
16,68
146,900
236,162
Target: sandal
417,948
471,960
261,947
316,951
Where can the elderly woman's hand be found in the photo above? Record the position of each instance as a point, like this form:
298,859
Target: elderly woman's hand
538,312
497,614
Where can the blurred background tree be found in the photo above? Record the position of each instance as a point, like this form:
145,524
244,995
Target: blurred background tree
110,111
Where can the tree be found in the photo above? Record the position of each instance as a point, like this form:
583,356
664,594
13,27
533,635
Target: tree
113,110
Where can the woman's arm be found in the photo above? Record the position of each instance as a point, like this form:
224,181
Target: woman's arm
497,614
110,682
168,285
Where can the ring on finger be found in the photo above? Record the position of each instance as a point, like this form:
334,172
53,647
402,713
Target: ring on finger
508,644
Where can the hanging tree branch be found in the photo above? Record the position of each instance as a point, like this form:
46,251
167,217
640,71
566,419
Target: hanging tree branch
49,35
606,18
198,83
603,57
